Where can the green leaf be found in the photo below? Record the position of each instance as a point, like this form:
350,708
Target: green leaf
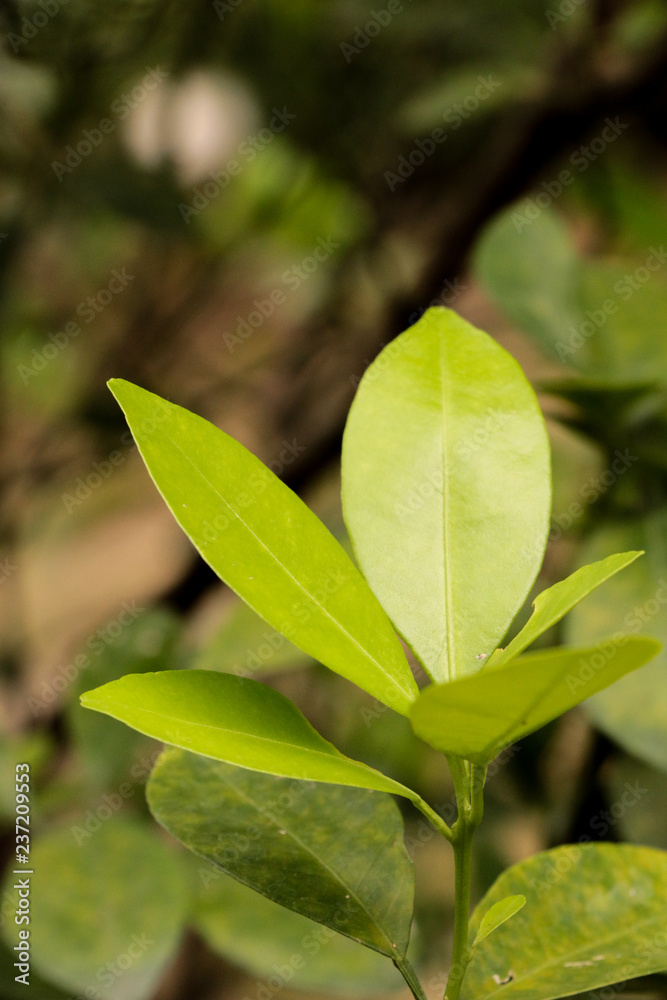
335,855
554,603
267,940
446,489
234,719
532,271
476,717
107,909
267,545
595,915
497,915
634,711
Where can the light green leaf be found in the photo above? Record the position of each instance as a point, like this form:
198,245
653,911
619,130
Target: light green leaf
267,940
595,915
531,269
497,915
554,603
446,489
476,717
113,899
234,719
633,712
267,545
335,855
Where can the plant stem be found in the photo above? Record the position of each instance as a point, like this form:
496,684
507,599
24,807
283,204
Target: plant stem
469,785
465,833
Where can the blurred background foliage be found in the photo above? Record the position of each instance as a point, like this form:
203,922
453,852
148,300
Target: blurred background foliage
236,204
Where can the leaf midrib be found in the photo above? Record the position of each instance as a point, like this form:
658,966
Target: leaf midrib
337,624
447,565
308,850
334,754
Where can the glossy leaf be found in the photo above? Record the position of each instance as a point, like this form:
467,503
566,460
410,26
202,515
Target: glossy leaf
108,907
497,915
476,717
634,711
267,545
267,940
234,719
335,855
446,487
554,603
595,914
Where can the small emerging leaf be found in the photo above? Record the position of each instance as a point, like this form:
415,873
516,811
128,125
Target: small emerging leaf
335,855
446,489
234,719
595,915
267,545
553,604
476,717
497,915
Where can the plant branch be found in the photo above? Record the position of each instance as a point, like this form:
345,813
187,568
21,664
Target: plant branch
469,782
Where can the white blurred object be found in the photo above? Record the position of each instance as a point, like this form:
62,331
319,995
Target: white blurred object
197,122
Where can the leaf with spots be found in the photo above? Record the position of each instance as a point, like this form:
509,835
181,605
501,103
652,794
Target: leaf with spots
595,914
333,854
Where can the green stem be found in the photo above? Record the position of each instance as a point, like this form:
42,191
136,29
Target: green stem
410,977
469,785
463,870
